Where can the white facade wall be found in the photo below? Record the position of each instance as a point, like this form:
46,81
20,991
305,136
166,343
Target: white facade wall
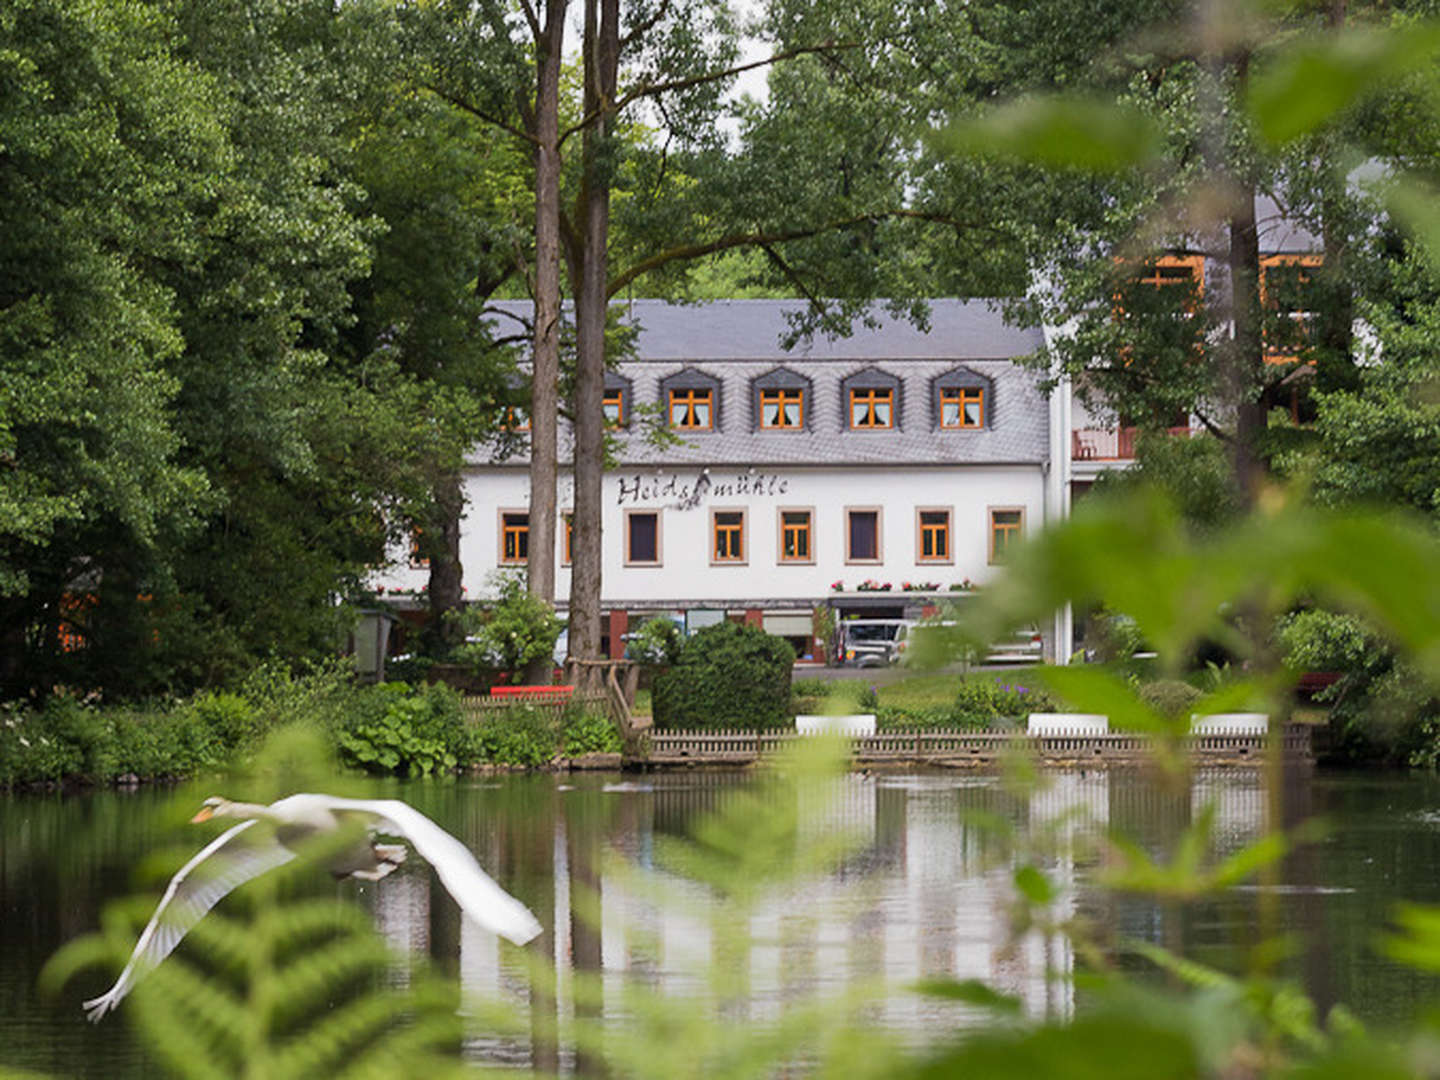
686,573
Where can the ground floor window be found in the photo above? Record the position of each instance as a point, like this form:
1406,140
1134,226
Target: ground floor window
934,536
795,536
642,538
514,536
862,535
569,525
727,530
1006,525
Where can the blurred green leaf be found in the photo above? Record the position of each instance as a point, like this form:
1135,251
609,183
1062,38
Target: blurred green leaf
1061,131
1034,886
969,992
1312,80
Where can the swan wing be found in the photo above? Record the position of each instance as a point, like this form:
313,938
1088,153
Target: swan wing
474,890
187,898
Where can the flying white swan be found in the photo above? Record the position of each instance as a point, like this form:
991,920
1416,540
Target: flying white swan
225,865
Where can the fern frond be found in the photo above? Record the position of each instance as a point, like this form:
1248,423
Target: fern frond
309,980
324,1047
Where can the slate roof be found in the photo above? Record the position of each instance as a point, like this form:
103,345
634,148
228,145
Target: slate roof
737,341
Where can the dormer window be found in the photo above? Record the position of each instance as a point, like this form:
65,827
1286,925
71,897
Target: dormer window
780,400
963,400
615,403
962,407
871,400
613,406
782,409
872,408
692,400
691,410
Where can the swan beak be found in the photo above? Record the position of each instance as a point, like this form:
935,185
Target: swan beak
205,814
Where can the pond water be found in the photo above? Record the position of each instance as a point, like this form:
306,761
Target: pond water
925,890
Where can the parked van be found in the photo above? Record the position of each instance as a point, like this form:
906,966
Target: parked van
872,642
1024,646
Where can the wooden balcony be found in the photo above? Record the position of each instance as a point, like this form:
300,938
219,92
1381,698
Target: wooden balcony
1110,444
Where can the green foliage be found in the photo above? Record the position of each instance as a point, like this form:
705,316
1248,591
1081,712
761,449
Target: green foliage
1172,698
524,735
727,676
1380,707
658,641
588,732
404,732
980,701
518,630
1194,472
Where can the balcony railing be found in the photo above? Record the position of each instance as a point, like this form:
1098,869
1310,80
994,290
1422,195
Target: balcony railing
1112,444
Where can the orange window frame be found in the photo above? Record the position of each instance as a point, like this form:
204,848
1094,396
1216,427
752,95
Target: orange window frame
1307,263
959,397
514,538
934,544
871,400
569,526
1007,524
727,536
780,399
613,400
691,401
795,536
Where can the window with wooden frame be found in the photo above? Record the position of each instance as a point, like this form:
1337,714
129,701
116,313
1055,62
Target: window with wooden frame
692,410
567,534
418,560
795,536
1007,523
642,538
1181,272
962,407
862,535
727,536
514,537
1187,270
782,409
871,408
612,406
932,526
1287,295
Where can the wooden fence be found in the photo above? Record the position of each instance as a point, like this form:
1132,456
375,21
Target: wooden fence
965,747
478,709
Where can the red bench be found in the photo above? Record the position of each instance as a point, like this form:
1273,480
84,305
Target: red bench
544,693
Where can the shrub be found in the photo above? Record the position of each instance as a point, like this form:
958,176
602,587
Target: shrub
727,676
405,733
1170,698
979,701
231,719
809,695
924,718
519,630
589,732
522,735
658,641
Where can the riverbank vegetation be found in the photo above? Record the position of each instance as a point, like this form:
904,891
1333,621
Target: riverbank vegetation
388,729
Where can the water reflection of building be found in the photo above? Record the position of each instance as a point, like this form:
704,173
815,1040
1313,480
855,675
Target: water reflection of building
926,892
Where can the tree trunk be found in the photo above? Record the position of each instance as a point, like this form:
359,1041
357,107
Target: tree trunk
1336,305
1245,362
544,392
443,551
601,57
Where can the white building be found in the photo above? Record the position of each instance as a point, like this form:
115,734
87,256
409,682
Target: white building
876,474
